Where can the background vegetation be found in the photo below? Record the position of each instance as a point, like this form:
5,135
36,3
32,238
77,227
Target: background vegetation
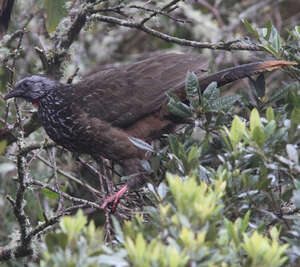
223,191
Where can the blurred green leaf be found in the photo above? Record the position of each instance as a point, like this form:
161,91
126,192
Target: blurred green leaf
270,114
269,129
50,194
174,144
55,10
73,225
254,120
3,145
118,230
295,120
237,130
279,94
297,29
258,136
250,28
269,30
54,240
276,43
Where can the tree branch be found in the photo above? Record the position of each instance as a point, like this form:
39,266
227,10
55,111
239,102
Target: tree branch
228,46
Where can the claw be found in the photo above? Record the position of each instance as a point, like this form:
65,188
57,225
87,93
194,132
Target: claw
115,199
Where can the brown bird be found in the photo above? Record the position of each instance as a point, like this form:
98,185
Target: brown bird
97,115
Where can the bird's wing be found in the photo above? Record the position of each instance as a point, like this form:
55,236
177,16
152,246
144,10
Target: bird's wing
122,95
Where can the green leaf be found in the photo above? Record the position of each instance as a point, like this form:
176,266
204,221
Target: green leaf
254,120
279,94
270,114
55,10
192,86
295,120
297,184
276,42
269,129
250,28
237,130
269,30
256,131
269,48
174,144
258,136
193,154
245,221
178,108
53,240
296,33
224,103
212,92
50,194
3,145
118,230
141,144
231,228
73,225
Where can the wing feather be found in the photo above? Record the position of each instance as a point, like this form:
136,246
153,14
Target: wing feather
122,95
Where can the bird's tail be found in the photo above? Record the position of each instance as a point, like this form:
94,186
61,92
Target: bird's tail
235,73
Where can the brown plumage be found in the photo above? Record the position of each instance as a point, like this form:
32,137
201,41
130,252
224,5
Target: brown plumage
97,115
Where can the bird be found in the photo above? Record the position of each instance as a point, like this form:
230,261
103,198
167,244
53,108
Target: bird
100,113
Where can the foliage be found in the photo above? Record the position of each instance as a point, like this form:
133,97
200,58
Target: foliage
188,227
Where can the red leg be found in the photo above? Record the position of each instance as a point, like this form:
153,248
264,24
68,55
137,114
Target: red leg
114,198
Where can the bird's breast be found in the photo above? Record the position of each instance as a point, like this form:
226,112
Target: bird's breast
59,122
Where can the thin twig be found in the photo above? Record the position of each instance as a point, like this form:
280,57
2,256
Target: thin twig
228,46
69,176
63,194
164,8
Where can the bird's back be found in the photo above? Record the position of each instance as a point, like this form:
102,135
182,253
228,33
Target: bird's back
122,95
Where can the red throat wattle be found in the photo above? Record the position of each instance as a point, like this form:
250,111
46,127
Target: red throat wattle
35,103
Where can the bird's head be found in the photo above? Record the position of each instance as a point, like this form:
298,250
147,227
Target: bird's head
32,88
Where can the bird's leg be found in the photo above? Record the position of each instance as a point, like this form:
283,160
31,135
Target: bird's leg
114,198
135,169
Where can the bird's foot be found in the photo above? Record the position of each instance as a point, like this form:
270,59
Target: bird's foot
115,199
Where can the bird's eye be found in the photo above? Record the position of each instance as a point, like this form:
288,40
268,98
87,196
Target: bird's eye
25,85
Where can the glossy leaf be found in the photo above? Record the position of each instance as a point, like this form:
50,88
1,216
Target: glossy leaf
192,86
140,144
270,114
237,130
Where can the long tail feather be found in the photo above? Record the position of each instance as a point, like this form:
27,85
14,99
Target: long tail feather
235,73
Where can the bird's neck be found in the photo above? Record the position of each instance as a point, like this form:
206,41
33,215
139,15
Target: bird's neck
35,103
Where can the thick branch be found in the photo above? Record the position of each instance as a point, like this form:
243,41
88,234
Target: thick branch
21,249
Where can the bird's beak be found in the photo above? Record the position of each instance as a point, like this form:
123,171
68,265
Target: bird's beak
13,93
